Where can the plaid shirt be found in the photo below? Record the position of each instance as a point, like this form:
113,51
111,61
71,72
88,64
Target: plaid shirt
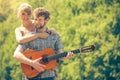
52,41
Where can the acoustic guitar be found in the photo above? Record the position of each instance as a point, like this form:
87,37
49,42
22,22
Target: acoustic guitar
48,59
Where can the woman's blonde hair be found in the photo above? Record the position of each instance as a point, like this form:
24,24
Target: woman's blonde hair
24,7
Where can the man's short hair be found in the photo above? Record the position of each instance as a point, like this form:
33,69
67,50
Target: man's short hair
41,12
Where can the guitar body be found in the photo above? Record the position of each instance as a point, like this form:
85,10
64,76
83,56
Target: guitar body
29,71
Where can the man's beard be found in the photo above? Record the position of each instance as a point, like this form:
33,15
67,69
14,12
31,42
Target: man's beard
40,27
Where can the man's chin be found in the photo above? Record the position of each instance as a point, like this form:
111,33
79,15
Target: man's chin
40,27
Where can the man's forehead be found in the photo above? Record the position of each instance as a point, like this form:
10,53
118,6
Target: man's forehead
40,17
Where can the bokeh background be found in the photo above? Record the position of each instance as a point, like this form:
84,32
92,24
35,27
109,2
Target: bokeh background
79,23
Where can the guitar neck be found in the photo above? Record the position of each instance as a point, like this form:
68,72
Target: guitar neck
64,54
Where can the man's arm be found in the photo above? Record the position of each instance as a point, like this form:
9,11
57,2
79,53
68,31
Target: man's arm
60,50
18,54
69,54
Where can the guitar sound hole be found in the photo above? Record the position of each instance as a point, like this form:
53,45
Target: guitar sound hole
44,59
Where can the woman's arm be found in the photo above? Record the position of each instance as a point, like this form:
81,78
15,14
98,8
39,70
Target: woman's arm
21,38
26,38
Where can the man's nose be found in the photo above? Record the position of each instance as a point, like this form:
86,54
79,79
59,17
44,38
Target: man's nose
37,22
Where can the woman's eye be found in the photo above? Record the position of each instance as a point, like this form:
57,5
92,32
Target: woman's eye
29,14
23,13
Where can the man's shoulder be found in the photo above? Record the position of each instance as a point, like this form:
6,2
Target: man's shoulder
57,35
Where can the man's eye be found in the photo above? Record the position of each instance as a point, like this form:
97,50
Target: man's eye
39,19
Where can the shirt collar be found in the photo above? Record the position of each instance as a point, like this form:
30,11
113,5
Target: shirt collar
47,31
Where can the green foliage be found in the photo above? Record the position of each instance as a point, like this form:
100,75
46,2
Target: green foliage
80,23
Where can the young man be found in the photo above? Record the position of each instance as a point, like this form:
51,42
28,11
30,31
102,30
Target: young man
41,17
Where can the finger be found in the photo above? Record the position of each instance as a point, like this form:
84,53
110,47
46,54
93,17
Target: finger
38,59
42,65
41,70
70,54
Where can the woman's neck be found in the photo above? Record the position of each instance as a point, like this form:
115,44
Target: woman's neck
26,24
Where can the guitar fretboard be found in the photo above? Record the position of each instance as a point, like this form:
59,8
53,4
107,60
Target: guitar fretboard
64,54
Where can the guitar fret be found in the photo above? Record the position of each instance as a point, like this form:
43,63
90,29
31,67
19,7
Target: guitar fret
76,51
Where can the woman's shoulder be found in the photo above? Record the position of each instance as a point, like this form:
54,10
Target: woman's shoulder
19,29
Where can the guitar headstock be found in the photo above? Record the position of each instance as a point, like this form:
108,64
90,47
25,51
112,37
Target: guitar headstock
87,48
